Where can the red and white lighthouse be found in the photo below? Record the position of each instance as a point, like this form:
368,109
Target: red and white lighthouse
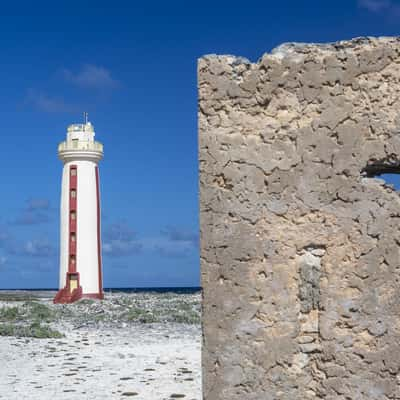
80,240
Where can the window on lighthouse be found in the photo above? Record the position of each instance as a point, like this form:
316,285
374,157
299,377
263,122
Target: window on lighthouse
73,193
73,171
73,237
73,215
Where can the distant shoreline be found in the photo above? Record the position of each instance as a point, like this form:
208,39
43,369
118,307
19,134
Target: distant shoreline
163,289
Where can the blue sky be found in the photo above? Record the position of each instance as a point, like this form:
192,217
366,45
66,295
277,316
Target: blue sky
133,68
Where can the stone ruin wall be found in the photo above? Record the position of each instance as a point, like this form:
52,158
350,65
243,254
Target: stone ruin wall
300,240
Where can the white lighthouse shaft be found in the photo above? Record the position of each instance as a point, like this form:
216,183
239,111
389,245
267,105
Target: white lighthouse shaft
80,241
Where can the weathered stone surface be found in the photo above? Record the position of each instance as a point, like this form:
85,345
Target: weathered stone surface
300,242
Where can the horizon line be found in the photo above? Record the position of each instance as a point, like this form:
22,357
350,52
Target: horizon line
115,288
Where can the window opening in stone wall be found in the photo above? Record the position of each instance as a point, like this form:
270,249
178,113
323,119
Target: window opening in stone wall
386,171
392,180
389,180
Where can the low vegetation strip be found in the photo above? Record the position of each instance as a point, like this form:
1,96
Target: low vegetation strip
41,318
29,319
34,330
30,310
134,308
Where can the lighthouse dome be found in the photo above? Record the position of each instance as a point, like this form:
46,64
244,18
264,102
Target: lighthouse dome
80,144
81,132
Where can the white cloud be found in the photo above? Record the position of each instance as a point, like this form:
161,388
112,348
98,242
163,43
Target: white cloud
375,6
120,248
173,248
177,234
168,247
37,248
3,261
38,204
91,77
42,102
37,211
120,240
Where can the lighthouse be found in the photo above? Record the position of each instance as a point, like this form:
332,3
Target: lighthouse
80,239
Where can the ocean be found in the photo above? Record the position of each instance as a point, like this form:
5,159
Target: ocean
49,292
177,289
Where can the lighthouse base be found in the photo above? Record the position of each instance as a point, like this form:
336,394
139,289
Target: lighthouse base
73,291
98,296
66,296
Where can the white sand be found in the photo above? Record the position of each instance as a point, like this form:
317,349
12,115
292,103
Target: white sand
154,361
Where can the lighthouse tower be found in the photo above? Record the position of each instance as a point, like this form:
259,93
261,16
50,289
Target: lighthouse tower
80,241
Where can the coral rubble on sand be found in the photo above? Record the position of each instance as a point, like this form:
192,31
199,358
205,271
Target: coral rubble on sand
141,344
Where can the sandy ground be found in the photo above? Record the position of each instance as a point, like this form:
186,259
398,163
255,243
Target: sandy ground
141,361
145,362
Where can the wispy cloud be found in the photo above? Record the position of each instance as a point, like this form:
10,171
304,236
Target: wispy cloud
119,231
46,264
374,5
43,102
120,240
176,234
118,248
171,249
5,237
7,240
36,211
37,248
38,204
31,218
389,7
174,242
91,77
41,247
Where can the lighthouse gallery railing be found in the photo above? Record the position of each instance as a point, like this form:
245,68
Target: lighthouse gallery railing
80,145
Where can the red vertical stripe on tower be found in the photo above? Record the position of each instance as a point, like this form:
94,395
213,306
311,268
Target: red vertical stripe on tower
72,290
99,235
73,196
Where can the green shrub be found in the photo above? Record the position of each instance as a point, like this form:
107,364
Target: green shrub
188,317
39,312
7,330
9,314
16,297
135,314
85,302
35,330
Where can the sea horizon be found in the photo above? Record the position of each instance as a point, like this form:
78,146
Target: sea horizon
158,289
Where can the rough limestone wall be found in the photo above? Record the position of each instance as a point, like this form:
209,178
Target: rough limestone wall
300,256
